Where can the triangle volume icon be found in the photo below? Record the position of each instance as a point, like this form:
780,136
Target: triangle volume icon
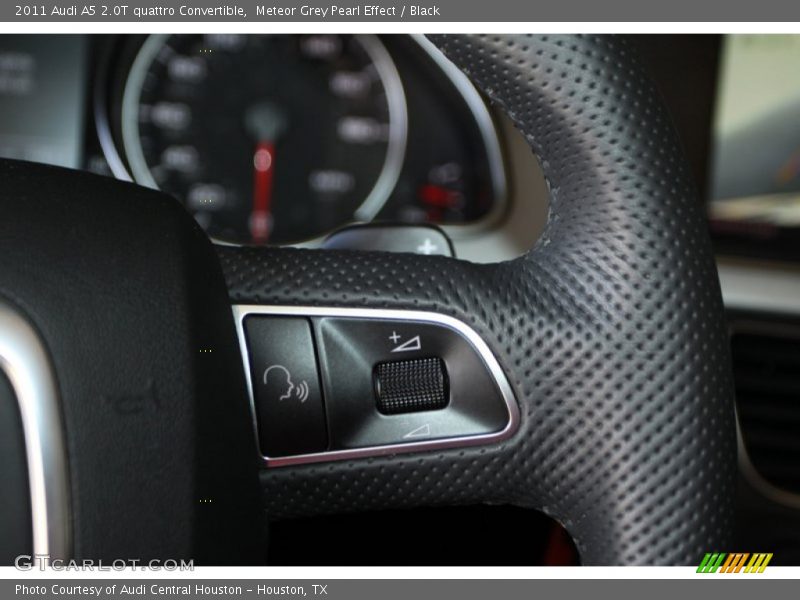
412,344
421,431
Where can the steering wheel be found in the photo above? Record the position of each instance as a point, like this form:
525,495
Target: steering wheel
606,342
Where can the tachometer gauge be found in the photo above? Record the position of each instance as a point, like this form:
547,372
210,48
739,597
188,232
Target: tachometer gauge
266,139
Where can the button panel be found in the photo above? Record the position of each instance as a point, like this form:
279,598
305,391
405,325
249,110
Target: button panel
337,383
351,347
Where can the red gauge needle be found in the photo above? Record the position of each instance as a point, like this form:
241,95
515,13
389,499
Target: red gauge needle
263,168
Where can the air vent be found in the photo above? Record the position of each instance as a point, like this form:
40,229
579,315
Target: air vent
766,366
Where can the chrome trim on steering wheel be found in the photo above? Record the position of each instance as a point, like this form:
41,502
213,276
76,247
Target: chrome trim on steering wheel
25,362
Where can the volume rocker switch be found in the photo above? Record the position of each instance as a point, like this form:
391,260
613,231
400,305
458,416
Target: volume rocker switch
404,382
404,386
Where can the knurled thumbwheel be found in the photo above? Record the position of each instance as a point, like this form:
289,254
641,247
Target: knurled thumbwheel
414,385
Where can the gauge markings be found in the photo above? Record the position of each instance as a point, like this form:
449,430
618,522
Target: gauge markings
207,127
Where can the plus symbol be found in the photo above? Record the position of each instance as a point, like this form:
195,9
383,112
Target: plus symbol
427,247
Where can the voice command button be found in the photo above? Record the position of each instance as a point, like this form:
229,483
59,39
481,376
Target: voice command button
288,399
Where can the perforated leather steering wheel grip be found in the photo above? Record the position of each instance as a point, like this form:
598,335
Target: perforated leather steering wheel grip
610,330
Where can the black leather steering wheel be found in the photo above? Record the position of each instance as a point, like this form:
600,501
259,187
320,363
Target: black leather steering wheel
610,332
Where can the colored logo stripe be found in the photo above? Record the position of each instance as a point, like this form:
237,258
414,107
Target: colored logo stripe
734,562
758,563
711,562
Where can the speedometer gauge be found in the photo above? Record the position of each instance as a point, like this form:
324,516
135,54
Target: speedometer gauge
266,139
